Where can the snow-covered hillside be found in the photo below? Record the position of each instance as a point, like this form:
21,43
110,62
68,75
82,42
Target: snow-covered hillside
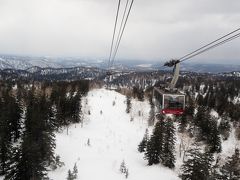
113,137
22,63
108,136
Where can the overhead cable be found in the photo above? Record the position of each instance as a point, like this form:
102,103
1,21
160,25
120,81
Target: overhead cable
124,26
213,46
121,28
114,32
210,44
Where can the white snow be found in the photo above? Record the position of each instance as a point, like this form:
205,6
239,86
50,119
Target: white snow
26,62
113,138
214,113
228,147
236,100
15,87
202,86
145,65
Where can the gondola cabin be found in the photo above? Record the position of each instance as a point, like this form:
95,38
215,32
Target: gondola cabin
168,102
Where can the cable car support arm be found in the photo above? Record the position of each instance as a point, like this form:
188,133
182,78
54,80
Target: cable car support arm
176,70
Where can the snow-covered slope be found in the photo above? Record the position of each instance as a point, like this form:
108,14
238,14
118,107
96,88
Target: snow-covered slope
44,63
4,64
113,138
22,63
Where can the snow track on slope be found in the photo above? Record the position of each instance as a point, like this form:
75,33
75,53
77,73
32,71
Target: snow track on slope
113,138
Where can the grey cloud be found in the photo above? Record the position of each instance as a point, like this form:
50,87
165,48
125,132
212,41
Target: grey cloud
157,29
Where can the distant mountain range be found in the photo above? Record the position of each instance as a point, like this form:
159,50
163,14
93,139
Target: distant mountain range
33,64
25,62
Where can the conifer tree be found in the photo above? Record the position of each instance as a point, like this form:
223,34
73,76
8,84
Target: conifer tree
5,154
75,171
200,118
213,138
14,114
231,170
197,166
126,173
61,121
190,109
154,150
182,123
48,135
34,145
168,158
37,149
140,94
123,167
151,113
15,169
76,108
5,149
57,163
52,117
143,144
215,171
70,175
207,129
224,127
200,100
129,105
5,134
212,100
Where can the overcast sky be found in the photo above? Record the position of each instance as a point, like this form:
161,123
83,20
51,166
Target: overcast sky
157,29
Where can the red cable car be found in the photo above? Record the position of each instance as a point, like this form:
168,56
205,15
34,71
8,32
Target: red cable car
170,100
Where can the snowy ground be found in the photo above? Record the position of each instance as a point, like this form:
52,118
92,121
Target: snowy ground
113,138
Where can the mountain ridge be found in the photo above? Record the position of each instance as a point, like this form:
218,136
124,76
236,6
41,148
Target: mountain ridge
33,64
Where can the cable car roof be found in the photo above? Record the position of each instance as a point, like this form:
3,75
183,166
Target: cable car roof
168,92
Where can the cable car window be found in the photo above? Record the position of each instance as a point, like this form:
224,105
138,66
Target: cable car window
173,102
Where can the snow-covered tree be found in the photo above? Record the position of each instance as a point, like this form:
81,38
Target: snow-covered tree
73,174
123,167
124,170
88,142
207,130
182,123
231,170
58,163
75,171
5,140
129,104
168,157
213,138
70,175
126,173
197,166
224,127
143,144
151,117
154,150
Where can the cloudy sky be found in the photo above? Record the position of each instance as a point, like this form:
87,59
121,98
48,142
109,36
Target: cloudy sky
157,29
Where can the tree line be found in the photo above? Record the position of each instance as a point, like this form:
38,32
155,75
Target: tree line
30,114
206,95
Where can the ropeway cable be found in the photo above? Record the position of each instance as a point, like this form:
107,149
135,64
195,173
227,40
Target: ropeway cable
114,32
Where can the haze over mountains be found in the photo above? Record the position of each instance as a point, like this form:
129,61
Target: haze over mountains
28,62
